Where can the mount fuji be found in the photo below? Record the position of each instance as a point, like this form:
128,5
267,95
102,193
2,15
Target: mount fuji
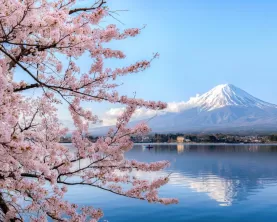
225,108
227,95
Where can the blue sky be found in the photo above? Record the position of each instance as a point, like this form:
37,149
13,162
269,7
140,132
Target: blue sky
202,44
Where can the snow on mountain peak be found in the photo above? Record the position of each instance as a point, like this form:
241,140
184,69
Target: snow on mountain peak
226,95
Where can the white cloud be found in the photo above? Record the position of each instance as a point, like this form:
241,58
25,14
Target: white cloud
109,117
175,107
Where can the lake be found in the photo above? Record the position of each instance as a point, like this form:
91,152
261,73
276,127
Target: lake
212,183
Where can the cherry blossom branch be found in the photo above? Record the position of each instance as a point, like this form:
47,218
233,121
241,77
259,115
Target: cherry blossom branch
98,4
25,87
33,35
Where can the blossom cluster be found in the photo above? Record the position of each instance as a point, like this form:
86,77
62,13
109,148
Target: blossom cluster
36,170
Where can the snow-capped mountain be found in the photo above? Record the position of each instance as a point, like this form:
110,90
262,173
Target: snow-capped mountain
225,108
226,95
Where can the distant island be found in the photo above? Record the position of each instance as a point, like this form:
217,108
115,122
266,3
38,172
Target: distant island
193,138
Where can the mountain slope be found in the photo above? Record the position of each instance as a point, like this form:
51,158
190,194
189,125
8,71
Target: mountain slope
224,108
226,95
231,118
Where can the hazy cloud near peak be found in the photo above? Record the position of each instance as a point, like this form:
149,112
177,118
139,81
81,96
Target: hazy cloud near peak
109,117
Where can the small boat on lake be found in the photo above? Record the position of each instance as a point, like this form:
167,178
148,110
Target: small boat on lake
149,146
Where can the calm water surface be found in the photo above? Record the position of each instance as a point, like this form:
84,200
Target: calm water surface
212,183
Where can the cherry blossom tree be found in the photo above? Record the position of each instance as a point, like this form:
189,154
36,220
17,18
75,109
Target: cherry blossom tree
36,170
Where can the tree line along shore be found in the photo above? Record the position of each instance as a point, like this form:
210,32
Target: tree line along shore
193,138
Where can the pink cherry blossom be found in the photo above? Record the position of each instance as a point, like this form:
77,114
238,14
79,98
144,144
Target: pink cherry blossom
36,170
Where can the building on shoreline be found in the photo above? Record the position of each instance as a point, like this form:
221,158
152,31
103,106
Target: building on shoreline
180,139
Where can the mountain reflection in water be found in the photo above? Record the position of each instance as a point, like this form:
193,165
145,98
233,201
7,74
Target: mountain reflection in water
242,178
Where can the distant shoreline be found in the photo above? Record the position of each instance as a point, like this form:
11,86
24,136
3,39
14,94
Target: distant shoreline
195,139
207,143
204,143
